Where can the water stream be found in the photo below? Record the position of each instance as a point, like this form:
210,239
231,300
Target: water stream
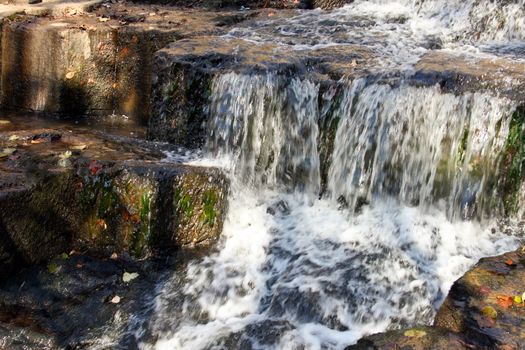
331,236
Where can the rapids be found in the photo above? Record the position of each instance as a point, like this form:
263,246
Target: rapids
316,256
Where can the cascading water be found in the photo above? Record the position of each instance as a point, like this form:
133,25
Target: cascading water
316,256
298,270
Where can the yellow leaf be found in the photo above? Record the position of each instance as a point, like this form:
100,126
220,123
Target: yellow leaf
518,299
13,137
7,152
488,311
70,75
415,333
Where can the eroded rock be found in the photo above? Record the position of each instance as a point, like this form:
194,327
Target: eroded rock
482,305
64,188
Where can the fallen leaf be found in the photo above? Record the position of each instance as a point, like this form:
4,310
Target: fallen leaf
13,137
38,141
64,256
102,223
114,256
128,277
4,122
415,333
510,262
6,152
79,147
79,266
271,14
103,19
489,312
53,268
65,155
115,299
505,301
70,75
94,167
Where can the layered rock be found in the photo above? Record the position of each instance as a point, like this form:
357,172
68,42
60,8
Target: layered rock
63,189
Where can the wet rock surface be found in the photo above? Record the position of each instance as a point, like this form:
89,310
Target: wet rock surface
483,310
486,303
97,62
419,338
63,188
52,307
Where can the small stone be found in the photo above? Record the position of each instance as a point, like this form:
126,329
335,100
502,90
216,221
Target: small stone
70,75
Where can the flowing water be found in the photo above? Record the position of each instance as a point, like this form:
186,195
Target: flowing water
351,211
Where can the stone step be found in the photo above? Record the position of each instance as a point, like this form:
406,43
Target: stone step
63,189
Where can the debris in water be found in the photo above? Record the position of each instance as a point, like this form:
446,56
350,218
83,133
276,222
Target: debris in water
115,299
53,268
128,277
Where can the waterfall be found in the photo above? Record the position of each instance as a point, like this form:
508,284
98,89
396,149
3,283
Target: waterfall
295,267
353,207
270,124
418,145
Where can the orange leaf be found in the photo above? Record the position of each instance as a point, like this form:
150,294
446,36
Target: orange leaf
510,262
102,223
505,301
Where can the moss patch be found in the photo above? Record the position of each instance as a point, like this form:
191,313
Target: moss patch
514,161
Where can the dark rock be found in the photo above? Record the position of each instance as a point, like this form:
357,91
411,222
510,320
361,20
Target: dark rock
418,338
488,285
112,193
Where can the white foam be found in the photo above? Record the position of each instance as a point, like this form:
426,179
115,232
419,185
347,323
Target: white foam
333,277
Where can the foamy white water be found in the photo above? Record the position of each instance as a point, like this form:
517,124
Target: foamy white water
294,270
291,273
399,32
331,237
